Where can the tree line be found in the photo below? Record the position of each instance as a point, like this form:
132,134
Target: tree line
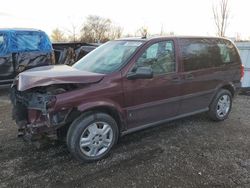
97,29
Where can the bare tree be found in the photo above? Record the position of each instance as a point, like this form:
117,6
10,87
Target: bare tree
72,33
221,15
115,32
95,29
143,31
57,36
162,30
238,37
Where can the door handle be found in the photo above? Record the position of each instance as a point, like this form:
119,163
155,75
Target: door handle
189,77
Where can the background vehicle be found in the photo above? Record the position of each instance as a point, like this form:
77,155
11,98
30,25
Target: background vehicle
244,49
124,86
69,52
22,49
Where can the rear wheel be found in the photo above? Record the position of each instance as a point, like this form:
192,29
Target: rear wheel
91,137
221,105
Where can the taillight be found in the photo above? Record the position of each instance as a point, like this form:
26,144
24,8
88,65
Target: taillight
242,71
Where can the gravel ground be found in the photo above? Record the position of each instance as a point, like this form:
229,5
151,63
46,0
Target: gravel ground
191,152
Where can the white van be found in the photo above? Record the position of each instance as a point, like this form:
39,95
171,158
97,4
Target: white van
244,49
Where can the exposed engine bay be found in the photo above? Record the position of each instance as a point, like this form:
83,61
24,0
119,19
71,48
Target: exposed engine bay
31,110
34,96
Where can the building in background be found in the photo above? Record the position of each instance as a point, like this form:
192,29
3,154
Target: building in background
244,49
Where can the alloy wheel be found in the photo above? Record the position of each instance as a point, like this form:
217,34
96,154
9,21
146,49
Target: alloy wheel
223,106
96,139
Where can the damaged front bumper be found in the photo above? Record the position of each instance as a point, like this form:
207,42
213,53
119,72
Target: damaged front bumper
32,111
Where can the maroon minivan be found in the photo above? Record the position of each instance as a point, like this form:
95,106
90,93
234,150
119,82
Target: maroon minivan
124,86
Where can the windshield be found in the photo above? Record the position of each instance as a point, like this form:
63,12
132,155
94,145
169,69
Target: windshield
108,57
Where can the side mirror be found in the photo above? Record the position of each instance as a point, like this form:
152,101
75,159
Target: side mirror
141,73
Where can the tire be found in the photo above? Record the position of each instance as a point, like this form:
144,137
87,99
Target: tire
221,105
91,137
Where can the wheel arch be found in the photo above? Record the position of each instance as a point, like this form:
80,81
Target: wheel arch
230,88
227,86
110,109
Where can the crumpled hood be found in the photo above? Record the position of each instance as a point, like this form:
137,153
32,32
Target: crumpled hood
54,74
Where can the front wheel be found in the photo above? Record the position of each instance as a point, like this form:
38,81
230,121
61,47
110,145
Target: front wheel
91,137
221,105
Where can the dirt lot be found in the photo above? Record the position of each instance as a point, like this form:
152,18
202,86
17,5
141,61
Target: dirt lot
191,152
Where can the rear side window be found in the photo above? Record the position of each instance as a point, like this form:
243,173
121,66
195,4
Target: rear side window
227,51
26,42
199,54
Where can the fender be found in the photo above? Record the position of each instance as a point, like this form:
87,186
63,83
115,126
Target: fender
228,85
105,103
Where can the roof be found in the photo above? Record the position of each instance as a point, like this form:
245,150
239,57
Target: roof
19,29
134,39
169,37
24,40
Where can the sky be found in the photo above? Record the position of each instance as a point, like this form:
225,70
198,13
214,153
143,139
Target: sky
183,17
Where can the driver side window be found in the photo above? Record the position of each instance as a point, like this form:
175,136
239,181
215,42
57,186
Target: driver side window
160,57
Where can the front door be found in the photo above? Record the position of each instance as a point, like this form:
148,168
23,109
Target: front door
153,100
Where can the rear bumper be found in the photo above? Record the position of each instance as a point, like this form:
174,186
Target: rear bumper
245,81
244,89
237,88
